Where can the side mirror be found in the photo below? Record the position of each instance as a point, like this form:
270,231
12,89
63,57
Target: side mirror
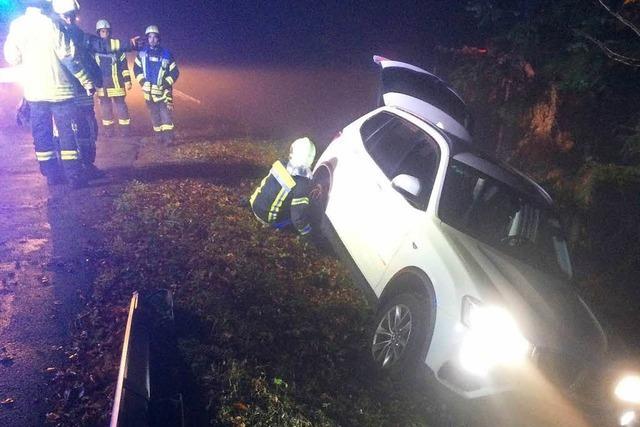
406,185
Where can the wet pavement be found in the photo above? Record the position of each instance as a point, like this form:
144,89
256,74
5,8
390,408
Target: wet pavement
47,239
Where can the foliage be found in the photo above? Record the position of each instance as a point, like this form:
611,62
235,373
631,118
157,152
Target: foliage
270,328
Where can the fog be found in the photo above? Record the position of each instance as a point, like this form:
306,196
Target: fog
272,102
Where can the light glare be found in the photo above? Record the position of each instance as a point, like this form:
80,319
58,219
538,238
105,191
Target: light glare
628,389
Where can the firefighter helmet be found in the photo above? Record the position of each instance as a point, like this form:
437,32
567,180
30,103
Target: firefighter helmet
151,29
302,153
103,24
65,6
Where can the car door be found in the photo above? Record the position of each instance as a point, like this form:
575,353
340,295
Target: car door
387,214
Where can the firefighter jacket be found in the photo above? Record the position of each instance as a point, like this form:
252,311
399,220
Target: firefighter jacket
82,42
115,70
281,197
47,56
156,71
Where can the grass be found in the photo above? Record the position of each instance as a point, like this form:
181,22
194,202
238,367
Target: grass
270,329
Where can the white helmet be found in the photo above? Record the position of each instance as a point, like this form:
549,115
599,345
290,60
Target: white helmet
103,24
302,153
151,29
65,6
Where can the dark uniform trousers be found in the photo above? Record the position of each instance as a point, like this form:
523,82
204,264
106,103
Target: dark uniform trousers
86,129
161,119
64,114
114,103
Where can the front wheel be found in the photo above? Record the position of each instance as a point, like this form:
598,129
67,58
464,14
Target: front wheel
400,331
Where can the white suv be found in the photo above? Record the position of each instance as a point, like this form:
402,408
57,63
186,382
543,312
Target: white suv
463,255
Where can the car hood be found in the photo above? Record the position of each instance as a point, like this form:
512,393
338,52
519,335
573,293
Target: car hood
547,308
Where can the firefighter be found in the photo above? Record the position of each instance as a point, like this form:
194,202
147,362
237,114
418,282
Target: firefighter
86,126
157,72
282,199
47,57
117,81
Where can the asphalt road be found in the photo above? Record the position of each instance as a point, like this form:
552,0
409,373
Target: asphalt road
47,239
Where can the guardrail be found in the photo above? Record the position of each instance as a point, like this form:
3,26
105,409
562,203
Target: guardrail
143,394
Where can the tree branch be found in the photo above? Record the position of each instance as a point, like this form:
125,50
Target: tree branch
621,18
626,60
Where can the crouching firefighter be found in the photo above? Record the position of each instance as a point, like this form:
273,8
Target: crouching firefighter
282,199
157,72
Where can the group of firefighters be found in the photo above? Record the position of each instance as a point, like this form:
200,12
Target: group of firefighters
62,68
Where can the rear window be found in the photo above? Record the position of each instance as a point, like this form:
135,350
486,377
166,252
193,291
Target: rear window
427,88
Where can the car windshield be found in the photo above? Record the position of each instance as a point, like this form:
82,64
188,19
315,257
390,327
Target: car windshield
504,218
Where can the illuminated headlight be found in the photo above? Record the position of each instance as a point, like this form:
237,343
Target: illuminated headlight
493,338
627,418
628,389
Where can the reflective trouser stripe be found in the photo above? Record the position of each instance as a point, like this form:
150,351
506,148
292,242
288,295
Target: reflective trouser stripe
69,154
124,122
107,122
157,128
305,230
277,203
166,127
44,156
300,201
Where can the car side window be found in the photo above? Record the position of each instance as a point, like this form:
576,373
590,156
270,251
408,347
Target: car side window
388,140
421,162
400,147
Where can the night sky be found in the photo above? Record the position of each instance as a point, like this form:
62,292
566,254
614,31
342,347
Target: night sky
287,31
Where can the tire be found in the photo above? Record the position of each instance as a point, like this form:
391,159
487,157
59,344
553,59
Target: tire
399,333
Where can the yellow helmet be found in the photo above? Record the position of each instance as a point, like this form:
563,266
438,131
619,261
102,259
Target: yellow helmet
302,153
151,29
103,24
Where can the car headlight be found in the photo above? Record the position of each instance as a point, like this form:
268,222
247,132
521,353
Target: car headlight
628,389
493,338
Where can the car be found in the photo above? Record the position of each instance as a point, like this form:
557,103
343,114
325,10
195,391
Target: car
463,256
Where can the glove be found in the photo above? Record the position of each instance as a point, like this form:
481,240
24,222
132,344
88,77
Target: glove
90,89
137,43
127,86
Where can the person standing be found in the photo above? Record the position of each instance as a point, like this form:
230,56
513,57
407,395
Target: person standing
116,82
86,129
49,66
156,71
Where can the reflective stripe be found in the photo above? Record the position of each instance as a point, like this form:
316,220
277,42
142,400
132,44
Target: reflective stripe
277,203
69,155
44,156
258,191
305,230
100,92
114,76
166,127
139,78
137,61
172,66
115,44
280,173
300,201
157,128
112,92
124,122
82,76
122,57
170,80
126,73
107,122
